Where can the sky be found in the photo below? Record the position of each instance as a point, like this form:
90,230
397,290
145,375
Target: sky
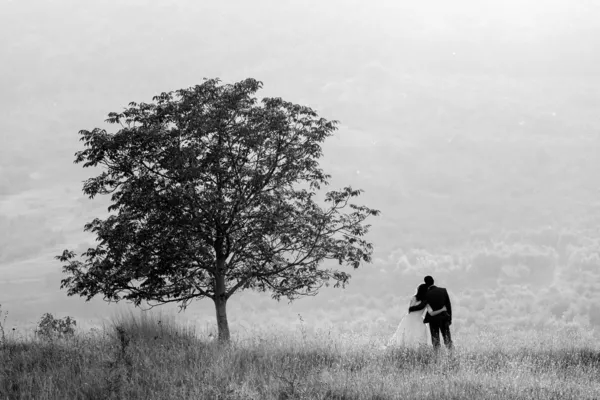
456,117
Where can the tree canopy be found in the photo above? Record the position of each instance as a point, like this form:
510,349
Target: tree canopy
213,192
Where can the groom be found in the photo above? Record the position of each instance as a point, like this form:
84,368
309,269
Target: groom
437,298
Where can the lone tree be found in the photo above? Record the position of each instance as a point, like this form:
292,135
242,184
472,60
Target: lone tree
213,192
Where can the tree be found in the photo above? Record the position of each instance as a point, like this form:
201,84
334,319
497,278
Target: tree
213,192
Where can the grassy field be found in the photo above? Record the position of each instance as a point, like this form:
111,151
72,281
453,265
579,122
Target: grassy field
152,357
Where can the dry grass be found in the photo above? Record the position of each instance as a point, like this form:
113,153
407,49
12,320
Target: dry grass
154,358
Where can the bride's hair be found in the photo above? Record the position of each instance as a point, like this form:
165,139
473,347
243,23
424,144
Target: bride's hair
421,291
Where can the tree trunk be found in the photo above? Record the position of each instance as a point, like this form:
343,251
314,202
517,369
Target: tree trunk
222,324
221,308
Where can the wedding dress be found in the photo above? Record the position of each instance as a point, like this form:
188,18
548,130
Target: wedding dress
411,332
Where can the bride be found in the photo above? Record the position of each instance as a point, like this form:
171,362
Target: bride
412,332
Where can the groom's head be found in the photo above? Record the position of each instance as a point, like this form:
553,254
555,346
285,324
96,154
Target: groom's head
428,280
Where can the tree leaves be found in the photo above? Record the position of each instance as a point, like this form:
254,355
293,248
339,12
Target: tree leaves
210,185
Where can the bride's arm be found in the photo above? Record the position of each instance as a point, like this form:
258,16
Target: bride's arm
434,313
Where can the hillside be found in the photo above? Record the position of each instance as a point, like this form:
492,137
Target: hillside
155,358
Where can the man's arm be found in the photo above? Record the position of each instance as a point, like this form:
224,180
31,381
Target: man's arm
417,307
448,305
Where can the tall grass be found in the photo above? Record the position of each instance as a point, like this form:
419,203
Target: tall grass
153,357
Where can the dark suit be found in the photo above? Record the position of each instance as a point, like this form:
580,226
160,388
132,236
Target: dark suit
437,298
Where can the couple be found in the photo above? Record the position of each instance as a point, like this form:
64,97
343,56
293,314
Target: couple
434,302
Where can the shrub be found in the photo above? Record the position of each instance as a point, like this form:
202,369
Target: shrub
50,328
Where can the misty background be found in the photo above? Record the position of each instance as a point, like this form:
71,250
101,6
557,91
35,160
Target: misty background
474,127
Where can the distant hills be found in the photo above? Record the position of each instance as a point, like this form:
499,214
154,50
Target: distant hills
477,136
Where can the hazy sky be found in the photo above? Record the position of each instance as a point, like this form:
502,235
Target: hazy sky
389,70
